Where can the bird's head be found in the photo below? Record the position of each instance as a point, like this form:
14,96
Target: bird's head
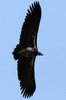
37,53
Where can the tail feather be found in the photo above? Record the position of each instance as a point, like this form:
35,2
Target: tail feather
15,52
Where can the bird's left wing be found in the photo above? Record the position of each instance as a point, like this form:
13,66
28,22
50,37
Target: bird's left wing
26,76
30,26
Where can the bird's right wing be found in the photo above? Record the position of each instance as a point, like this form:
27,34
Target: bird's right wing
26,76
30,26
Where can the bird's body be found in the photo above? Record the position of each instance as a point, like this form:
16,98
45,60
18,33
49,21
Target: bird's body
26,51
29,52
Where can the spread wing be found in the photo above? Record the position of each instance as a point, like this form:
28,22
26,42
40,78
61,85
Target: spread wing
30,26
26,76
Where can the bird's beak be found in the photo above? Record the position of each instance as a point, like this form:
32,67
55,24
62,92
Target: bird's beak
39,54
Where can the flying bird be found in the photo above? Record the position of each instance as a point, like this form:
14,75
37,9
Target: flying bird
26,51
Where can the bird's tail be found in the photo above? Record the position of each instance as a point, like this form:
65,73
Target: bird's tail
15,52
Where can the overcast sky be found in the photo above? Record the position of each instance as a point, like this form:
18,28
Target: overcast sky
50,69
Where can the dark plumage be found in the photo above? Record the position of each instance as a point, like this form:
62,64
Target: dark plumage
26,51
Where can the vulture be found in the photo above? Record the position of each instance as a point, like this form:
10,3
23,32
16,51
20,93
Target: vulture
26,51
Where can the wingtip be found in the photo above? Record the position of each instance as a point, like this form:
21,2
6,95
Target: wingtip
25,92
34,5
36,2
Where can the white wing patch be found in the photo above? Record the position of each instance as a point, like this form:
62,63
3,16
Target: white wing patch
34,42
29,48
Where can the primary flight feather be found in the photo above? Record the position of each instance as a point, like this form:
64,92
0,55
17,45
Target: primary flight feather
26,51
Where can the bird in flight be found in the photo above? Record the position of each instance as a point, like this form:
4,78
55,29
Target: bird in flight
26,51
